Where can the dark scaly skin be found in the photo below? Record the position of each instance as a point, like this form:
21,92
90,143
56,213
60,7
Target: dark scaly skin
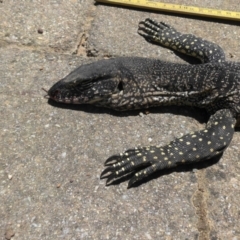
132,83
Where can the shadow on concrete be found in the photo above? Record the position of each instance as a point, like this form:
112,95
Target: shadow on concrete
199,114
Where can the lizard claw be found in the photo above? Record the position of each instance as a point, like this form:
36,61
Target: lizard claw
112,160
107,172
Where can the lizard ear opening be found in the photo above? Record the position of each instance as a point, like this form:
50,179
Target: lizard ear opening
120,86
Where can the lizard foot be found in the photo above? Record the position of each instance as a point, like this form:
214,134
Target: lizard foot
154,31
131,161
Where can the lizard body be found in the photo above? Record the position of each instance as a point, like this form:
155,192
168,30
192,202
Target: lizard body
126,83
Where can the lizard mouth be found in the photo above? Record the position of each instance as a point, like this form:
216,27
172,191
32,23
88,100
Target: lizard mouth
58,96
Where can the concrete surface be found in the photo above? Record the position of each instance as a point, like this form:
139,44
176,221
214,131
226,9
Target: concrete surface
51,157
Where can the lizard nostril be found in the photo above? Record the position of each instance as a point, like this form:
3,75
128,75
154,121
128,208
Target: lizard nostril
55,94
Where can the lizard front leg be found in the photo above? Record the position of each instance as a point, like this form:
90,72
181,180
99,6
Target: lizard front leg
188,44
193,147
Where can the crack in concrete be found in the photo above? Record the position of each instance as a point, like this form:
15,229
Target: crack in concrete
199,200
82,46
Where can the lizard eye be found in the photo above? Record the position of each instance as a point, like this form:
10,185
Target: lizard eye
120,86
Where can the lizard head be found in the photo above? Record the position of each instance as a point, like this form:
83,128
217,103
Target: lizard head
96,83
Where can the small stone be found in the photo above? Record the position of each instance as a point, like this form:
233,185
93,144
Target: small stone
9,234
40,31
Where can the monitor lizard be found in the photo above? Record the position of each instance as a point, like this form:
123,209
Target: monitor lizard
125,83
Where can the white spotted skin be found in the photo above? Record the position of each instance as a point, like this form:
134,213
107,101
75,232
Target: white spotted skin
133,83
193,147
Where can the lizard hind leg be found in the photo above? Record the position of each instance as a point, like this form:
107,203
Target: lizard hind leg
193,147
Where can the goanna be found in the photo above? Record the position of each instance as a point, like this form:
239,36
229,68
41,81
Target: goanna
126,83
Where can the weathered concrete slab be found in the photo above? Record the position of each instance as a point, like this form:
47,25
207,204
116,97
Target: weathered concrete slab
223,185
212,218
119,34
51,157
41,23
